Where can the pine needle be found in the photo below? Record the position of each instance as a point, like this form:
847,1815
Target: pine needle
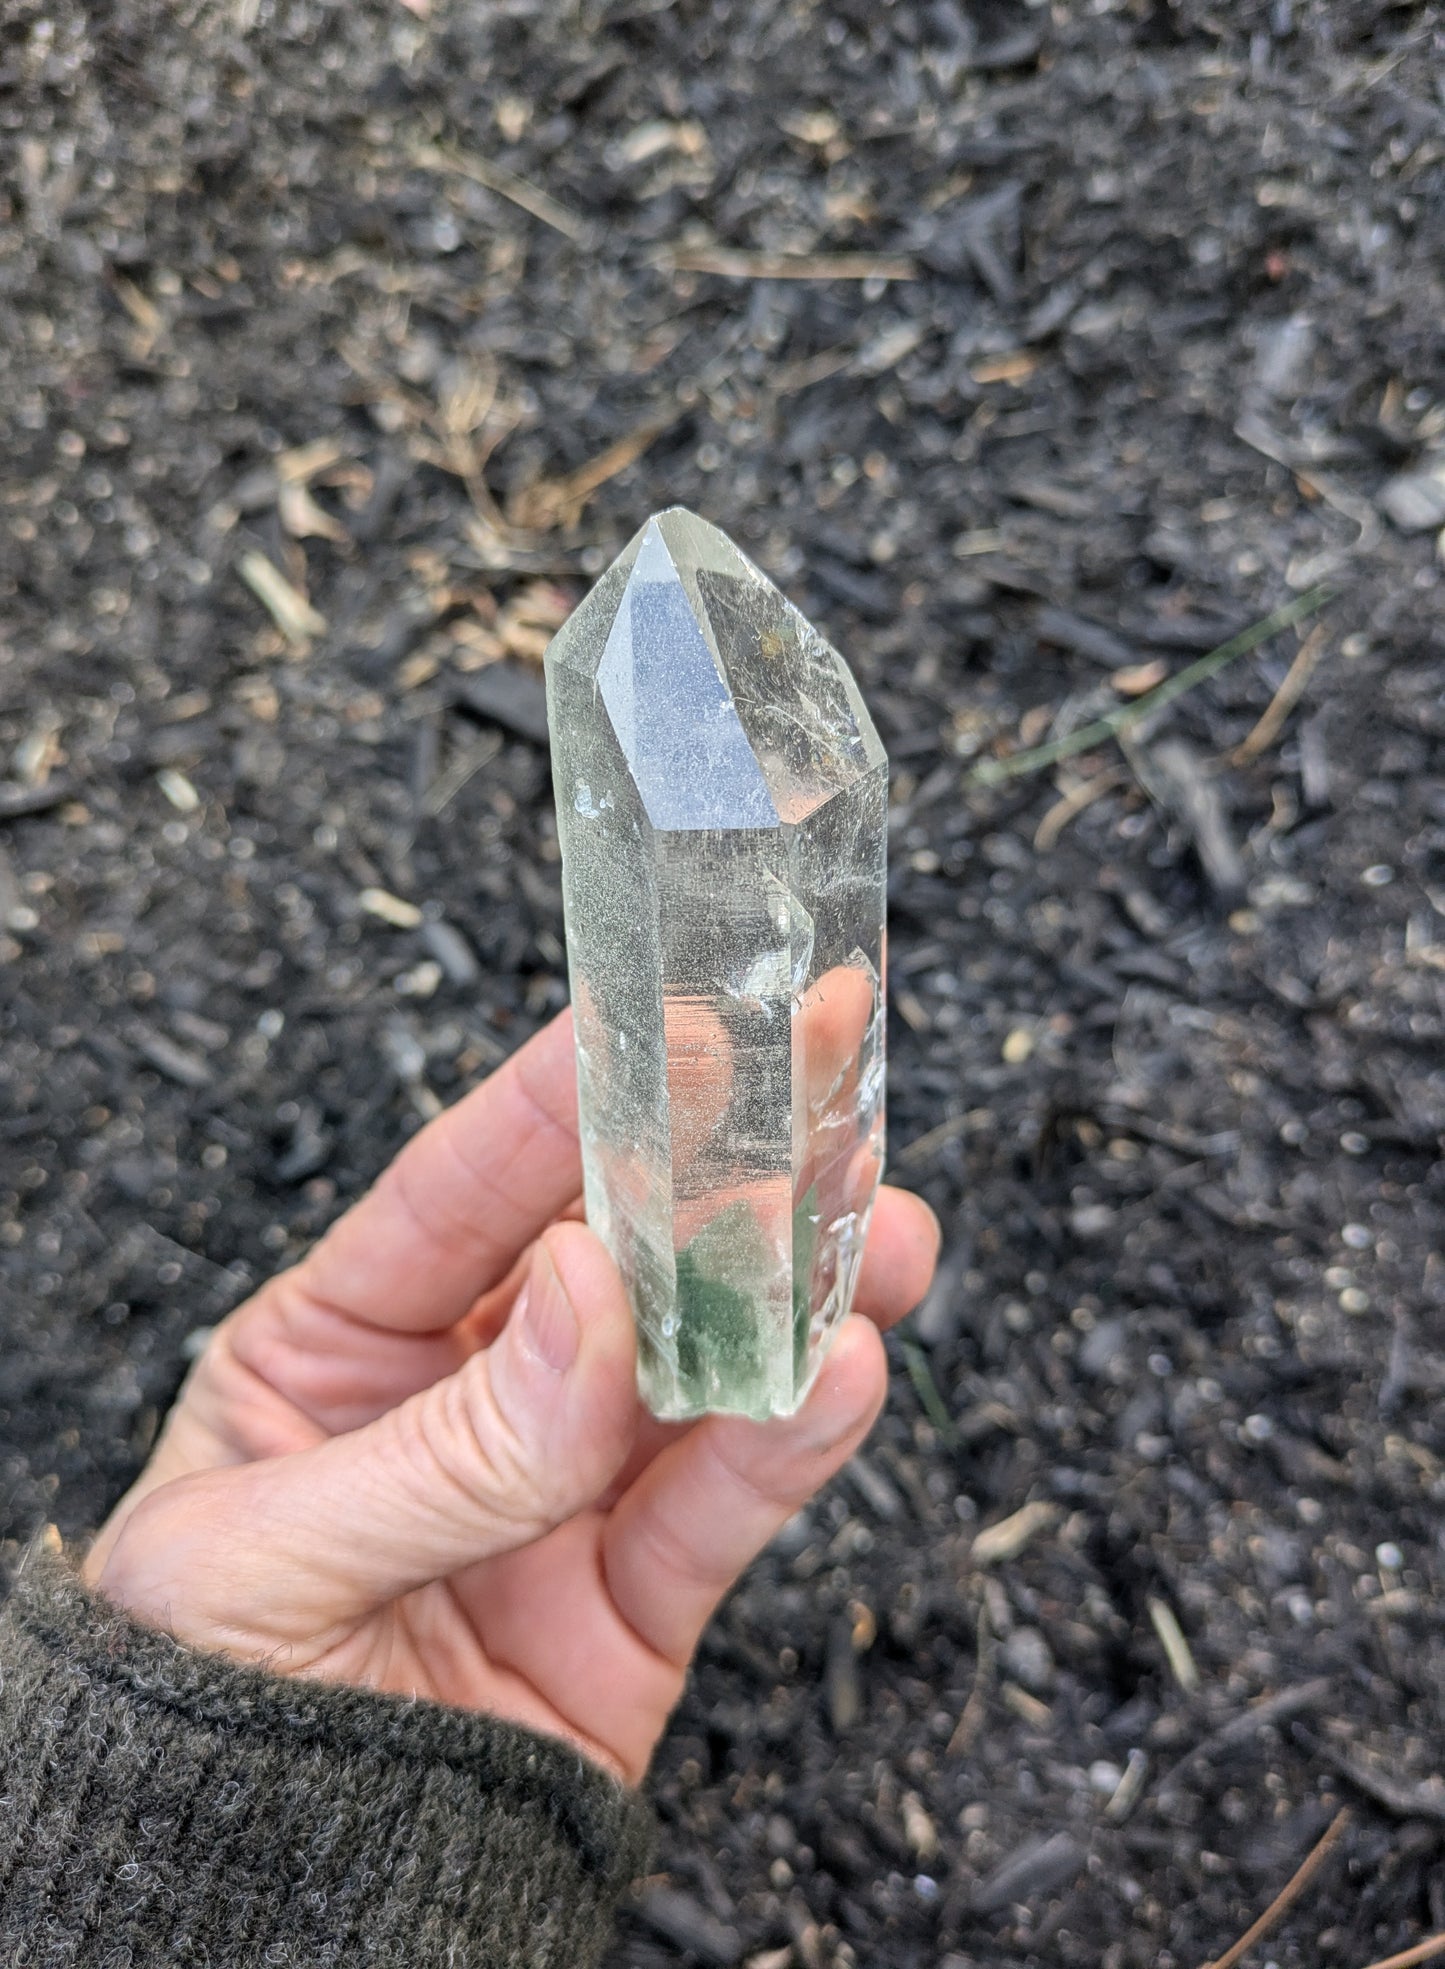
990,771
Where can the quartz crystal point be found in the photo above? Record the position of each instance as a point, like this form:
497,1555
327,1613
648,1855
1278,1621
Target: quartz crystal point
722,807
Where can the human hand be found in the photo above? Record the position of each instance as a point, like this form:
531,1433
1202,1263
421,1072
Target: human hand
416,1461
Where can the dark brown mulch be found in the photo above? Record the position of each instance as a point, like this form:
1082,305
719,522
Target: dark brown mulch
1171,1070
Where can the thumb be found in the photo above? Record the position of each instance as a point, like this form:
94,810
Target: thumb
528,1432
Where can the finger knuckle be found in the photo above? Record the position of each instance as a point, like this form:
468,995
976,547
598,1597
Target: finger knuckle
461,1444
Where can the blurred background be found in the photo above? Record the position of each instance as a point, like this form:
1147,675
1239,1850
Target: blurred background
1035,350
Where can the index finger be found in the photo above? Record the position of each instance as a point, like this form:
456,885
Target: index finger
446,1220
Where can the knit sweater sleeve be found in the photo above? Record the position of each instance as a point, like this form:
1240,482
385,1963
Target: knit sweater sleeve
159,1805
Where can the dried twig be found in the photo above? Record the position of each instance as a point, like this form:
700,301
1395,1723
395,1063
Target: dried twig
445,787
462,412
1285,1899
947,1130
1425,1951
1182,1664
452,444
286,605
732,263
1284,700
559,502
541,204
1129,1789
970,1721
415,408
989,771
1072,804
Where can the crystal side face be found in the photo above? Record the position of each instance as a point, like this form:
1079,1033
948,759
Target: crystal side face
722,808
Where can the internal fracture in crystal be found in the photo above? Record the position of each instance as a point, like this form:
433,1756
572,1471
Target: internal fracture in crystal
722,807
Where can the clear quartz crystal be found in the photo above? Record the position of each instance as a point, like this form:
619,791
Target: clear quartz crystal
722,805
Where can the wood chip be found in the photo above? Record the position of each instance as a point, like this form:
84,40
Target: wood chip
918,1828
814,126
1136,678
1176,776
190,704
288,608
421,981
39,752
982,540
863,1631
1016,367
912,1008
1027,1708
1130,1785
452,951
177,1063
303,519
1033,1870
1182,1664
16,802
684,1922
511,695
150,322
396,910
305,461
653,139
417,669
998,1543
178,790
842,1681
1085,638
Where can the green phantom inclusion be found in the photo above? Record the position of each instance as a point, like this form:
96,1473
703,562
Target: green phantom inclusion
722,804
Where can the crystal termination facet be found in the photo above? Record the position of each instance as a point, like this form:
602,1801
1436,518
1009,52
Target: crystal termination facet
722,807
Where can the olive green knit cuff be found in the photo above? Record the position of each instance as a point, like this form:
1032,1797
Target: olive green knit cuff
161,1805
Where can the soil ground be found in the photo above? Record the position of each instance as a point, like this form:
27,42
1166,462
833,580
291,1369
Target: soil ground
1138,339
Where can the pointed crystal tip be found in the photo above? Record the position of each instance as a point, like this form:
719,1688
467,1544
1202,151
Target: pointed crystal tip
721,803
674,715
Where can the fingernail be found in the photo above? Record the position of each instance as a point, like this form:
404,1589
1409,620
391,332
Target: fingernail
834,1420
548,1323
